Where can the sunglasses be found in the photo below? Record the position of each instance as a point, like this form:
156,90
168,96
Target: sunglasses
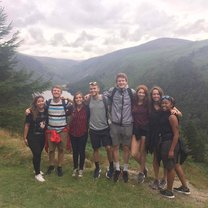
167,97
93,83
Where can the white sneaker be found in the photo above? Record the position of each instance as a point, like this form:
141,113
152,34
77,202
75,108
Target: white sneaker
80,175
74,173
39,178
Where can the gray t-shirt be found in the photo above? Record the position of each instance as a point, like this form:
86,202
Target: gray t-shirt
98,120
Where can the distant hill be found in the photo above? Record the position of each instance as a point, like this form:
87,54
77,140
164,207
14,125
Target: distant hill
48,68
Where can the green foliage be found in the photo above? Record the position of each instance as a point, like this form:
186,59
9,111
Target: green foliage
16,87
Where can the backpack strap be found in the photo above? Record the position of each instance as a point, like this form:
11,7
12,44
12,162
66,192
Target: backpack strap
105,102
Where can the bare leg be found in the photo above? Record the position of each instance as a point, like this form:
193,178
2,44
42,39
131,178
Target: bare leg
170,179
180,174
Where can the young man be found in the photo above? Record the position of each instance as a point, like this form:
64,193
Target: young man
99,128
122,122
57,132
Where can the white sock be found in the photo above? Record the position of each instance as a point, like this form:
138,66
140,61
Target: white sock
117,166
125,167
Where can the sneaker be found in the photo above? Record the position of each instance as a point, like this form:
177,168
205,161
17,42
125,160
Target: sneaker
97,172
125,176
145,171
80,174
109,173
39,178
50,169
116,175
162,184
141,177
155,184
166,193
183,190
74,173
59,171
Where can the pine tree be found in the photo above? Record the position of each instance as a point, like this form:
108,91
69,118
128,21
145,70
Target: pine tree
16,87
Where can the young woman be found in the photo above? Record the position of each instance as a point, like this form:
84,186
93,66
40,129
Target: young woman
155,110
34,133
78,129
169,147
140,112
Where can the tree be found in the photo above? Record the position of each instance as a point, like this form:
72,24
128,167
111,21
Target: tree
16,87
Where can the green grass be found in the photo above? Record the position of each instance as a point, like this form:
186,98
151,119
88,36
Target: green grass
19,188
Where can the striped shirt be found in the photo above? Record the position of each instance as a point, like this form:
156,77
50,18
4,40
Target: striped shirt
56,116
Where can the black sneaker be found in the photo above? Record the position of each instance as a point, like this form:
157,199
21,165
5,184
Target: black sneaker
125,176
116,175
109,173
183,190
166,193
50,169
59,171
141,177
97,172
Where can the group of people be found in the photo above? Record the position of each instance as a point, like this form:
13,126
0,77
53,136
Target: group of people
138,121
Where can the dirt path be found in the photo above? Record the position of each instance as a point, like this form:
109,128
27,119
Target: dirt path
198,197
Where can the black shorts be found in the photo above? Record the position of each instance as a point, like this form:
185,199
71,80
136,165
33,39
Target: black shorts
100,138
169,163
138,132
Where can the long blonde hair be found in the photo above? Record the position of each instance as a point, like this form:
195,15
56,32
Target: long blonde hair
34,108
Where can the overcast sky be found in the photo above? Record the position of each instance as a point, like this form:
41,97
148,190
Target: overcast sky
81,29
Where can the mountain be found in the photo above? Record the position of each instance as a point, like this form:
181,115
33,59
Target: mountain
47,68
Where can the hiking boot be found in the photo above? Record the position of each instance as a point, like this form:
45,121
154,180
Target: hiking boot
97,172
50,169
166,193
141,177
80,173
109,173
74,173
162,184
116,175
183,190
155,184
59,171
145,171
39,178
125,176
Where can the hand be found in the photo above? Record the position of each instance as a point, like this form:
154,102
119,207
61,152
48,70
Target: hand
174,112
25,141
171,154
87,97
27,111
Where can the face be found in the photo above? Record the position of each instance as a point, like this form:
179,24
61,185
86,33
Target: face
56,92
94,90
155,95
79,99
141,94
166,105
40,103
121,82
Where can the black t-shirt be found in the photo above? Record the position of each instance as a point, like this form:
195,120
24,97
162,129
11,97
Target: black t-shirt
38,125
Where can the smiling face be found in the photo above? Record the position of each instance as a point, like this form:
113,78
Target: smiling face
166,105
40,103
121,82
78,99
56,92
141,94
94,90
156,95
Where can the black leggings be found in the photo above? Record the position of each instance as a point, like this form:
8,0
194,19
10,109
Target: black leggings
36,144
78,148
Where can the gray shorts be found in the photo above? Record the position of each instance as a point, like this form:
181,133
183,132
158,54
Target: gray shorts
121,134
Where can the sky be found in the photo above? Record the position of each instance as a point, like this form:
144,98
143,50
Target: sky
82,29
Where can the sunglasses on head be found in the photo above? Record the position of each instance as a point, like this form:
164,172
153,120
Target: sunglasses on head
93,83
167,97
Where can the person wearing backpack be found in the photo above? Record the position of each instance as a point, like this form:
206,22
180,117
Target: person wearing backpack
99,128
57,132
121,98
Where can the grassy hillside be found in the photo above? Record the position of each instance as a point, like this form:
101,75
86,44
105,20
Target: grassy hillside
19,188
